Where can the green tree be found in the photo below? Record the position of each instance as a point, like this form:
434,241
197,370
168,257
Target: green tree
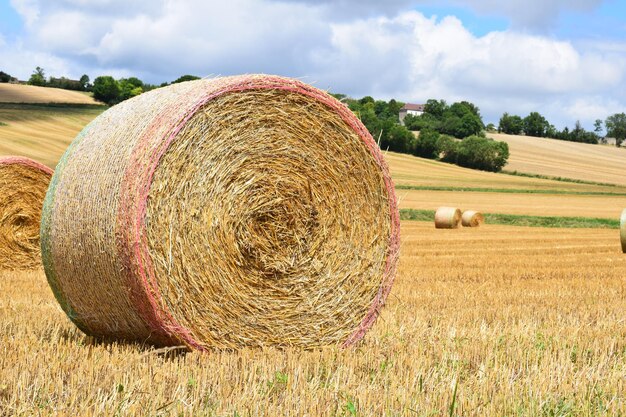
38,77
184,78
447,146
435,107
616,127
510,124
535,125
552,132
424,121
427,144
481,153
365,100
84,81
130,87
394,107
106,89
4,77
597,126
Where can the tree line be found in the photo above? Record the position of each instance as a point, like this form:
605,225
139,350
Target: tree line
104,88
452,133
536,125
439,127
459,120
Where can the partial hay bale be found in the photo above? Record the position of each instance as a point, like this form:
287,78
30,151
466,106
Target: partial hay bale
240,211
23,185
622,230
472,218
447,218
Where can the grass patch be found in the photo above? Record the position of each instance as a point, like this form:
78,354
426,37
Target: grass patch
504,190
562,179
3,124
523,220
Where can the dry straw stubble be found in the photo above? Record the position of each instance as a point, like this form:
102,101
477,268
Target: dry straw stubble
239,211
23,185
472,218
447,218
622,230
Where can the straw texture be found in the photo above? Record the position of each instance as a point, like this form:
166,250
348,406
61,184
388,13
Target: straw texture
23,185
240,211
472,218
447,218
622,230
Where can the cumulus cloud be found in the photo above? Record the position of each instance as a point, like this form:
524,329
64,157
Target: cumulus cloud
525,14
381,50
422,58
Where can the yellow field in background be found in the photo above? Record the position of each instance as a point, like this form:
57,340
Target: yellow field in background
18,93
41,133
410,170
526,321
565,159
600,206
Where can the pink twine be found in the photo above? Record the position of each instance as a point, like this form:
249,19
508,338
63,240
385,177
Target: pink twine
20,160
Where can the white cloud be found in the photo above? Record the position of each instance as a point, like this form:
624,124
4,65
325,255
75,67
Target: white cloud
20,62
526,14
395,54
28,9
415,58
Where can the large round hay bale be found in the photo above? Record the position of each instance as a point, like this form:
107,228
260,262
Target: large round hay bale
23,185
472,218
447,218
240,211
622,230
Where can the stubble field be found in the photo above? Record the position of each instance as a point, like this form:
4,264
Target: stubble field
522,321
566,159
493,321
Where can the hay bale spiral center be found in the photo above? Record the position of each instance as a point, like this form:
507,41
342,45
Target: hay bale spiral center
262,218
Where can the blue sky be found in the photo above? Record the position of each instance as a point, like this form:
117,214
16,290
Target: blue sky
563,58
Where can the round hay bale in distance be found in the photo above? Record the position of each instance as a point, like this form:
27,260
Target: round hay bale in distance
622,230
472,218
447,218
240,211
23,186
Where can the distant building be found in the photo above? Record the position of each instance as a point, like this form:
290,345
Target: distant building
413,109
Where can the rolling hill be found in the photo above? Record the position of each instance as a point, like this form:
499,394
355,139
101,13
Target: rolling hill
565,159
18,93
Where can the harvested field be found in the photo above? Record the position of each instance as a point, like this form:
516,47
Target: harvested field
524,321
565,159
39,132
410,170
18,93
600,206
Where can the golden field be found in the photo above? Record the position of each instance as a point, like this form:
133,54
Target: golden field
565,159
410,170
41,133
19,93
519,321
597,206
524,321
